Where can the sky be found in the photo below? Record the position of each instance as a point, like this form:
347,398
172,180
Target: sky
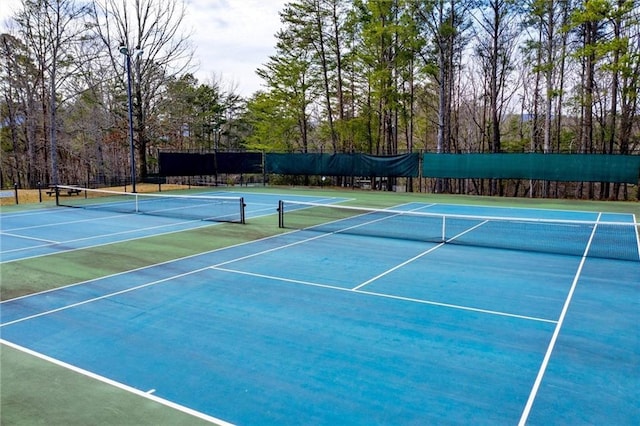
231,38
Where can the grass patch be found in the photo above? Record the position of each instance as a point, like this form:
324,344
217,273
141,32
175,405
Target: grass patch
20,278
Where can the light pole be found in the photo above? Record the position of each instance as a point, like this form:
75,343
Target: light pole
125,51
216,137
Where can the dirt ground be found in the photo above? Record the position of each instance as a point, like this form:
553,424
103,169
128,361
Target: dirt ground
27,196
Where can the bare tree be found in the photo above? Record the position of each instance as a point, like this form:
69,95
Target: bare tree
496,42
151,33
50,30
445,23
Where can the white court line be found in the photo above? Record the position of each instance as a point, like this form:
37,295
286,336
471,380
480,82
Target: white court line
556,332
424,253
24,237
93,237
283,195
70,222
386,296
104,296
388,271
27,213
358,225
637,234
148,395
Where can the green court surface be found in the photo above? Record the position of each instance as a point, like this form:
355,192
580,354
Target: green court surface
38,392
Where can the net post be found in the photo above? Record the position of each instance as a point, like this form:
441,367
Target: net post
444,229
242,206
280,214
136,199
57,191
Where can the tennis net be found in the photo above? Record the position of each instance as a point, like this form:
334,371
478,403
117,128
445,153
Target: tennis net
188,207
610,240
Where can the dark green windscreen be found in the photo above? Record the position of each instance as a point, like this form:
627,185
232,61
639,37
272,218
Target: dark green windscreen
553,167
406,165
208,164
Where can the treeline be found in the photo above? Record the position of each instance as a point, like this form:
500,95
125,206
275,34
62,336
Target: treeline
380,77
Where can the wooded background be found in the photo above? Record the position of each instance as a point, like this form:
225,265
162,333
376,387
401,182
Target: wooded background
379,77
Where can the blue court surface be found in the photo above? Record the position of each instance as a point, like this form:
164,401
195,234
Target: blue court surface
336,328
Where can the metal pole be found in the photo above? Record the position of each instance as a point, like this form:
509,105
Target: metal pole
131,147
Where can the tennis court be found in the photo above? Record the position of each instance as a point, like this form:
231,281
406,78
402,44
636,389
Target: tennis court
341,317
49,231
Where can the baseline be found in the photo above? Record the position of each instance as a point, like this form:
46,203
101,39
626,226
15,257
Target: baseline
122,386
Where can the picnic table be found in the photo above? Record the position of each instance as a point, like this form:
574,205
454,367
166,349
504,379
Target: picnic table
69,190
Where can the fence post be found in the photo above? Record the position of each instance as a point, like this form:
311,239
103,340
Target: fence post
264,168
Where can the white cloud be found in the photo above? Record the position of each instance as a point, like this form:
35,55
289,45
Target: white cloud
232,38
